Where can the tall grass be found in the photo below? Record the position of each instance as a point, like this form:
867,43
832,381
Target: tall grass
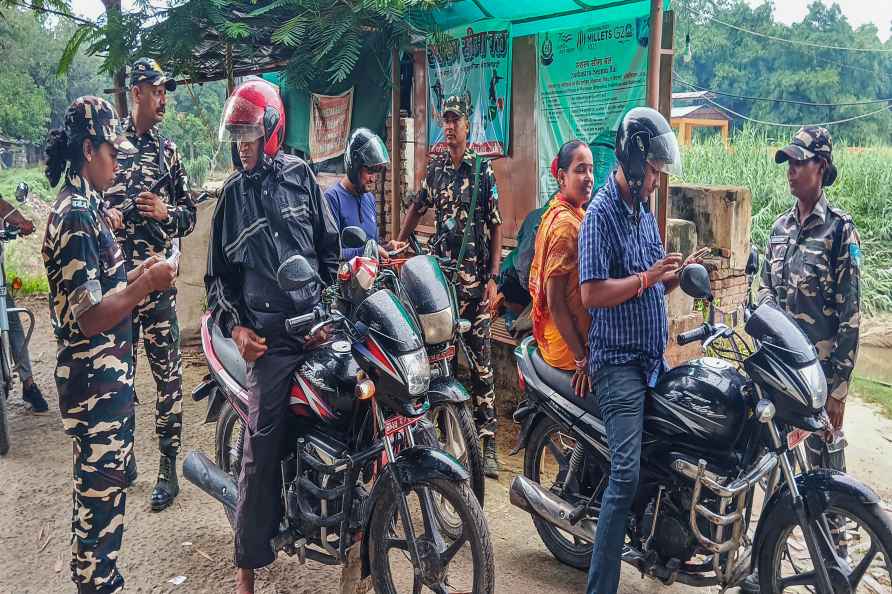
862,190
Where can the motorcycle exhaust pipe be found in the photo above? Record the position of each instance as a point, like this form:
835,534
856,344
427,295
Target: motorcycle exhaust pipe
208,477
531,497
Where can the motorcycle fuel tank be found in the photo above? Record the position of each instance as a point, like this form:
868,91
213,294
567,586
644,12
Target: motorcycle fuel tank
324,383
700,402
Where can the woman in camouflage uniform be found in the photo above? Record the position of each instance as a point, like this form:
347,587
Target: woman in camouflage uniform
91,299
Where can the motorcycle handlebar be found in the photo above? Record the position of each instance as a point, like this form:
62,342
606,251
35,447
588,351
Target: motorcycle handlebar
691,336
292,325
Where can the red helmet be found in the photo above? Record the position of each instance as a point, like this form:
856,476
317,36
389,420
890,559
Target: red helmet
254,110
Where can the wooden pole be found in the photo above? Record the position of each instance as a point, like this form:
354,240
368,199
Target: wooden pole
395,167
655,44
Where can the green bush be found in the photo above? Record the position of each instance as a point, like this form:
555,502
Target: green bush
862,189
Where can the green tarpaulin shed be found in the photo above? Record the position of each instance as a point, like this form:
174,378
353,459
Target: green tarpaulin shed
528,17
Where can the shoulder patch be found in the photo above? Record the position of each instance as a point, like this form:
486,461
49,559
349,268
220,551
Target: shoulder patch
80,202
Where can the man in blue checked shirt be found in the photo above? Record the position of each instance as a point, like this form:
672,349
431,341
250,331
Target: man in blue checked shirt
624,274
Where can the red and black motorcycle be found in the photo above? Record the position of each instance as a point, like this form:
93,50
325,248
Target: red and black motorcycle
354,474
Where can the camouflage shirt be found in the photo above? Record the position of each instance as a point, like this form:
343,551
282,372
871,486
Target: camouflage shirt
142,236
812,271
84,265
448,190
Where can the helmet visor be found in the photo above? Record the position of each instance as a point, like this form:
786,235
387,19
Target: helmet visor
242,121
664,154
373,154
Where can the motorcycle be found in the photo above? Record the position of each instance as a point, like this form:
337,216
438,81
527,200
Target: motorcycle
9,233
355,473
712,432
422,286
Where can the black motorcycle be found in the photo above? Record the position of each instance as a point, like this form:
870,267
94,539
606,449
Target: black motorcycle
354,473
712,432
425,290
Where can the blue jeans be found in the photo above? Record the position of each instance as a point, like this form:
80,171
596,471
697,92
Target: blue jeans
620,390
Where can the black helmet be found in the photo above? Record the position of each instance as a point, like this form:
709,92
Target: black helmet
364,149
21,191
644,136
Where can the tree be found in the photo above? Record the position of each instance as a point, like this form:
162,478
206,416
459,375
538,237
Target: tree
735,62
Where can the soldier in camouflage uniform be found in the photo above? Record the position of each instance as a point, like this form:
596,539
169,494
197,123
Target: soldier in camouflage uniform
448,188
91,299
812,270
152,223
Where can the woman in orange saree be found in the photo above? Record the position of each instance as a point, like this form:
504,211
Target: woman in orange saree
560,322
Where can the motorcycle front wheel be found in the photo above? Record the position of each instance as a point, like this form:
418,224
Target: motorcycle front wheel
855,539
450,427
447,564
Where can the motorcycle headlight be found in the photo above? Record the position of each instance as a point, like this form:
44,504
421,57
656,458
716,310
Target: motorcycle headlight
417,370
438,326
813,377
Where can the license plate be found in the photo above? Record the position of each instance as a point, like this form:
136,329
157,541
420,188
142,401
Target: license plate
795,437
444,356
395,424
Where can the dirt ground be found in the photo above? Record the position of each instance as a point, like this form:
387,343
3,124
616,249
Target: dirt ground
193,539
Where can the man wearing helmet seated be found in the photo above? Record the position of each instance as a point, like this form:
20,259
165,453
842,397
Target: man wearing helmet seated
351,200
269,210
624,273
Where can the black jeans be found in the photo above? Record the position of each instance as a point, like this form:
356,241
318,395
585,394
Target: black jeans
259,507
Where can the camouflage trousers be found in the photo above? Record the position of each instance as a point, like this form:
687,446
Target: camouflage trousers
156,318
478,340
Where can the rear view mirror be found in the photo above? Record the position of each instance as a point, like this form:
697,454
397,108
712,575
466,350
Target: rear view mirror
296,273
21,191
353,237
752,264
695,281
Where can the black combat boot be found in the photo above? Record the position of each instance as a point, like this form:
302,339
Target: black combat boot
490,459
34,397
751,584
167,486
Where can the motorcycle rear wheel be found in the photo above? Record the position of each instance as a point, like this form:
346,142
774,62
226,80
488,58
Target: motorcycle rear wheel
229,447
389,545
549,437
4,424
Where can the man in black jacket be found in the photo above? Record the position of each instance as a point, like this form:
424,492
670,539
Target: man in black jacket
269,211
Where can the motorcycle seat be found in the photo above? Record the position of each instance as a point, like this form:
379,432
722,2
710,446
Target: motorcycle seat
228,354
562,382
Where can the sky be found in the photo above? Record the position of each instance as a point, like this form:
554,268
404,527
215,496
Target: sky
858,12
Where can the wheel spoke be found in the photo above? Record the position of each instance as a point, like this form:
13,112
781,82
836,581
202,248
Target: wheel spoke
396,543
428,517
447,555
808,578
556,451
858,573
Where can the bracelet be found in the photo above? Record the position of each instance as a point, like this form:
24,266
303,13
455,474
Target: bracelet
641,281
580,363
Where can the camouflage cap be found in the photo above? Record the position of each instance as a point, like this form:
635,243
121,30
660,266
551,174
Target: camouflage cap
808,142
147,70
457,105
94,117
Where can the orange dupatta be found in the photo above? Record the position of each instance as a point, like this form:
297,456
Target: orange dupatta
557,254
